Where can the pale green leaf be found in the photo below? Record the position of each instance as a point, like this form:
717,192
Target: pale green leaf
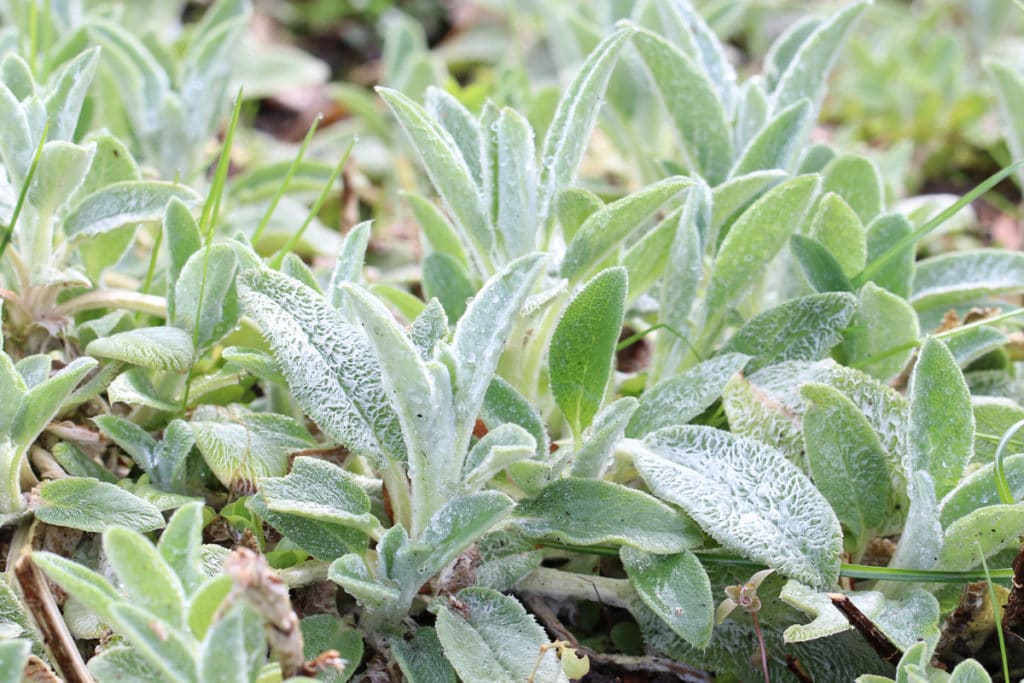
776,145
846,460
161,348
883,322
124,203
92,505
583,346
242,447
978,490
164,648
330,367
147,580
692,103
495,639
497,449
747,496
592,512
179,546
13,658
839,229
323,632
608,227
516,183
981,533
679,399
800,329
941,436
676,588
821,268
897,274
421,658
965,276
205,295
40,404
859,182
755,238
569,133
593,457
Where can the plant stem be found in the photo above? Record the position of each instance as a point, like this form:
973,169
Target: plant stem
114,298
559,584
761,647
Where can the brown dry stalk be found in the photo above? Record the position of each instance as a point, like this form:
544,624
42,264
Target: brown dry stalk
1013,611
878,641
61,646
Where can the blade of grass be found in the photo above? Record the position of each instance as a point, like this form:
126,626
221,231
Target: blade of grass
996,614
853,571
876,265
207,222
948,334
1002,485
24,190
258,232
275,262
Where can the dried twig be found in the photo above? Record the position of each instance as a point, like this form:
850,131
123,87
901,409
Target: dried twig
878,641
63,651
646,664
1013,611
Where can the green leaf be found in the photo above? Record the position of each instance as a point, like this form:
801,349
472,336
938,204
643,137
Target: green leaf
569,133
436,228
495,639
747,496
206,602
227,654
846,460
453,528
464,129
692,103
445,279
819,266
428,329
970,671
592,512
124,203
883,321
676,588
66,94
969,345
921,540
448,172
349,266
179,546
755,238
776,145
573,207
92,505
325,496
1010,93
516,222
242,447
503,404
147,580
941,437
593,457
607,228
60,169
40,404
496,450
162,646
859,182
422,659
87,586
213,305
583,346
679,399
330,367
839,229
981,533
800,329
323,632
732,197
965,276
978,489
161,348
481,334
13,658
897,274
806,74
183,240
350,572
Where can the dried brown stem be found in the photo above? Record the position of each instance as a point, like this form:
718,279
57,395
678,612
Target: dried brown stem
1013,611
61,646
626,663
879,642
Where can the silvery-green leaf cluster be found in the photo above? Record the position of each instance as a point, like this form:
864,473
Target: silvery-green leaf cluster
429,467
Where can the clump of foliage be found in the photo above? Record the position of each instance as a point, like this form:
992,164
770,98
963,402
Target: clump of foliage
240,465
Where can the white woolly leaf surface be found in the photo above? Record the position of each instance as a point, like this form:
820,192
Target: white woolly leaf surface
331,369
748,497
